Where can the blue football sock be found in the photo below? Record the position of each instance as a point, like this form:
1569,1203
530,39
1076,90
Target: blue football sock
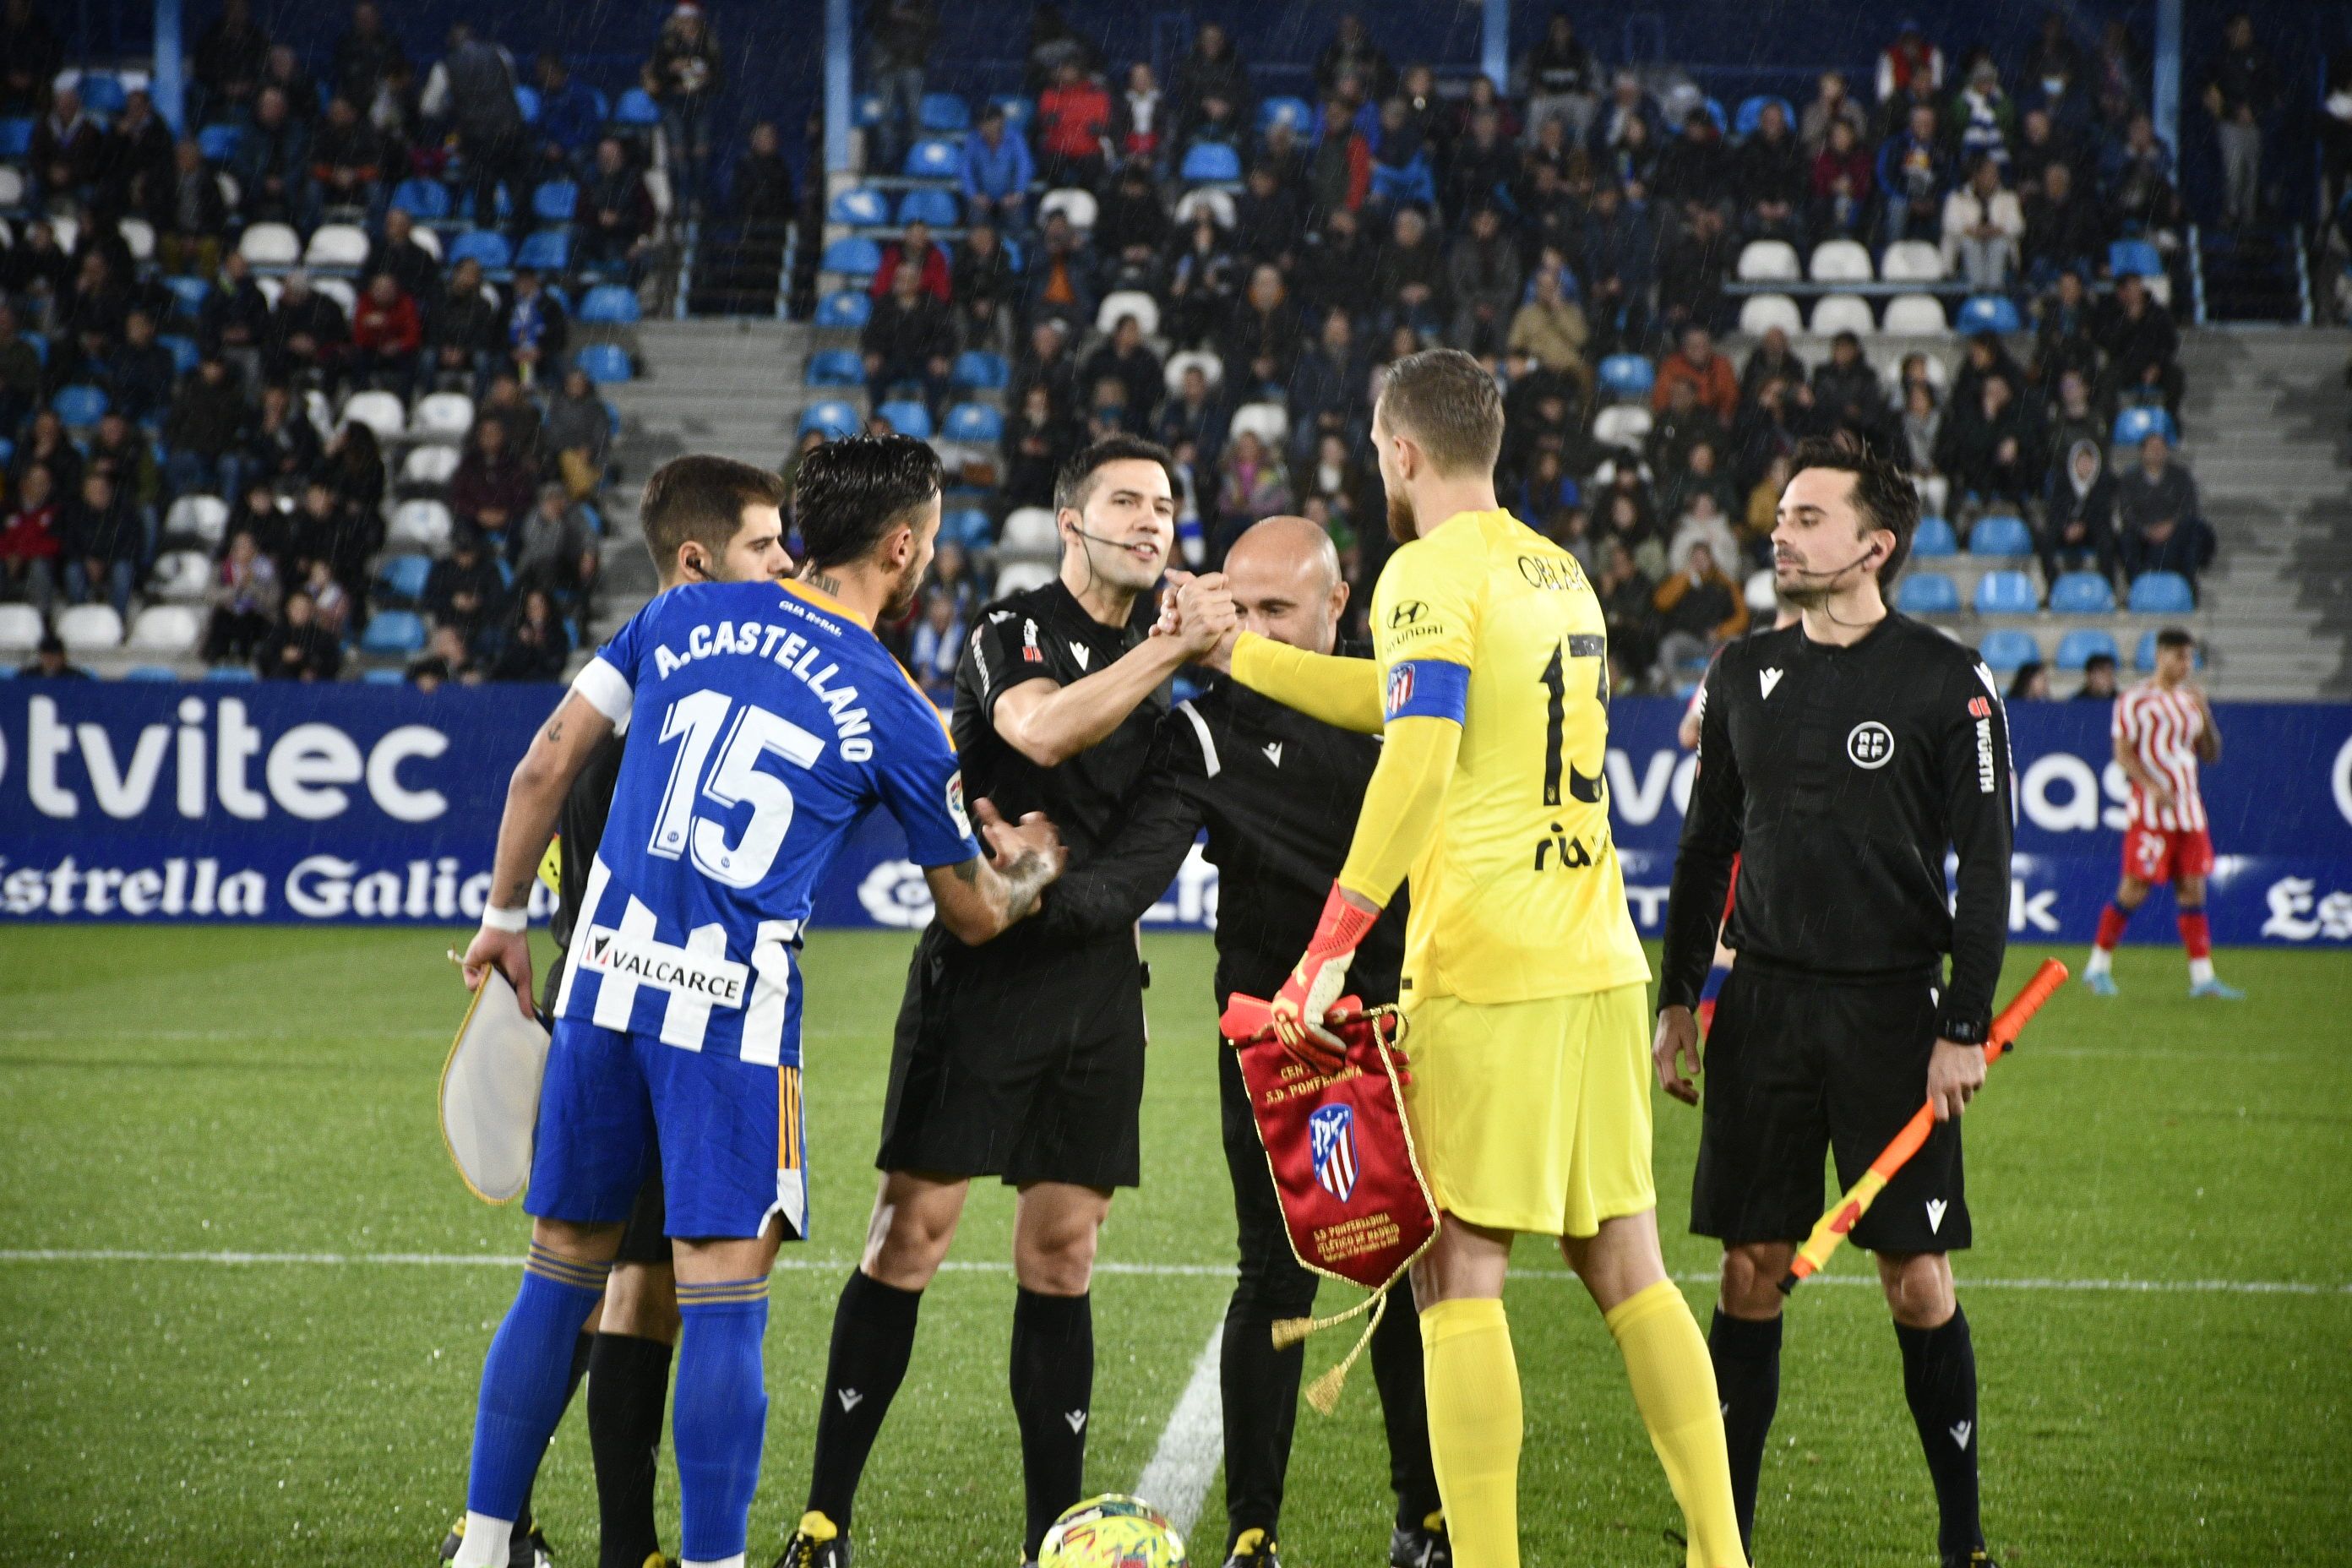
527,1376
720,1417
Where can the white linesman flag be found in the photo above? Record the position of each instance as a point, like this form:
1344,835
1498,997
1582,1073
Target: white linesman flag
490,1092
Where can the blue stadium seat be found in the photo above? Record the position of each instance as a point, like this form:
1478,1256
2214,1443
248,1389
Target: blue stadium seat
2135,257
1988,313
1628,376
859,205
2077,648
908,417
238,673
2082,593
2152,593
844,307
1212,161
393,677
1715,112
188,293
16,137
7,451
1412,183
943,111
1012,253
933,158
2001,534
610,304
151,672
856,256
549,250
975,421
184,353
1751,113
1934,539
80,405
835,417
487,246
967,526
2006,593
836,367
556,201
869,109
930,205
39,343
526,101
1018,111
219,143
637,108
1928,593
101,92
2004,649
604,361
394,632
426,200
1295,112
981,370
2134,426
403,576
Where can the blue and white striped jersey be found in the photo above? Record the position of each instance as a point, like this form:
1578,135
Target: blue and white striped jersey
767,722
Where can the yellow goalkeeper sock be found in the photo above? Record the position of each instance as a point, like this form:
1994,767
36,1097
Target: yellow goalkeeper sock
1472,1382
1674,1387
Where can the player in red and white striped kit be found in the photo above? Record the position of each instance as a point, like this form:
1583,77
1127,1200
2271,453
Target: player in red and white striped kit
2163,729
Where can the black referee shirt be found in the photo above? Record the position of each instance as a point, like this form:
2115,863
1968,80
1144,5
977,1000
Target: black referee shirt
1841,776
580,828
1046,635
1279,793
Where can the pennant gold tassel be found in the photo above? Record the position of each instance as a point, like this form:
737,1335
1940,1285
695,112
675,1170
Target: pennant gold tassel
1324,1392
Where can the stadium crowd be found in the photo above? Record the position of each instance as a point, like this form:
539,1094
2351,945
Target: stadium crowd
313,385
1228,272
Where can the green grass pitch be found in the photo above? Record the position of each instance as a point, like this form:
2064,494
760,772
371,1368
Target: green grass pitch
271,1091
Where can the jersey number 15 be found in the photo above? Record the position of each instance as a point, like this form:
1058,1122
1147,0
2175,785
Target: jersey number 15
700,717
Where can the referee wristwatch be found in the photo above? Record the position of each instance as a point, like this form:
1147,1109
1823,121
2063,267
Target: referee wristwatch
1964,1031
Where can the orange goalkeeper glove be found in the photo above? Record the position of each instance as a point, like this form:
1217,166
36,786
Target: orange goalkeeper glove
1319,978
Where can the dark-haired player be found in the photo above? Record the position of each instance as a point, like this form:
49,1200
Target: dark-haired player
769,720
1839,759
1021,1058
705,520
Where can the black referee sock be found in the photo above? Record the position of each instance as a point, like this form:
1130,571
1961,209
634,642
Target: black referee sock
628,1387
1746,1357
1053,1397
873,1338
1940,1379
524,1523
1260,1386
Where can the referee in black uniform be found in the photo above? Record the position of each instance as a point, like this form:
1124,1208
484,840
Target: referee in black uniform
1279,793
705,520
1022,1059
1841,758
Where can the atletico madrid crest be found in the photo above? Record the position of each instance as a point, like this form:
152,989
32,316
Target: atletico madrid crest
1331,1131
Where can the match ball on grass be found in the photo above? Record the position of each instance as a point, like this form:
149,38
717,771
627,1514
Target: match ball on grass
1113,1532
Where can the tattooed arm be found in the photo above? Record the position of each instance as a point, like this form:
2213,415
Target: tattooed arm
977,900
557,754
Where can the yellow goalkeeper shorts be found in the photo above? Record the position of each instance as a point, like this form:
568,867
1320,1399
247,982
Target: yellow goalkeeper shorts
1534,1116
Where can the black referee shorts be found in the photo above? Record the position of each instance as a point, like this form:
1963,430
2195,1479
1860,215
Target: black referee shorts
644,1241
1798,1067
1023,1061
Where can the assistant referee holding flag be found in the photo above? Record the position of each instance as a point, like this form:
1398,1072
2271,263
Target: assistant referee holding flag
1839,759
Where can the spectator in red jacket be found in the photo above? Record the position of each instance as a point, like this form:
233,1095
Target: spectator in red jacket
920,251
1842,175
386,333
1709,373
29,540
1074,120
492,486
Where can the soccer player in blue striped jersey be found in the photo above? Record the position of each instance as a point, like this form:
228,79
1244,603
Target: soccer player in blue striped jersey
770,721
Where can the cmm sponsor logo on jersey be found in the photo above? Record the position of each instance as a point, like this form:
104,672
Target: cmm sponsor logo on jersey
663,967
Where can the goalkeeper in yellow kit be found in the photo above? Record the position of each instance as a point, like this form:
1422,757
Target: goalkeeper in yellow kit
1524,980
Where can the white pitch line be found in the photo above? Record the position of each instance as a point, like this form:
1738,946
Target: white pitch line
1192,1444
803,1262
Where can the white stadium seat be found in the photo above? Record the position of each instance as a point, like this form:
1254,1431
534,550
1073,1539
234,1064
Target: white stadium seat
337,245
269,245
1211,368
12,187
1841,261
1621,424
199,516
430,464
1021,576
426,241
346,298
1076,205
272,290
20,628
1760,314
442,417
1912,261
89,628
424,524
1769,262
182,574
1915,316
67,232
138,237
167,628
1029,530
1219,203
1269,422
1836,313
379,411
1128,303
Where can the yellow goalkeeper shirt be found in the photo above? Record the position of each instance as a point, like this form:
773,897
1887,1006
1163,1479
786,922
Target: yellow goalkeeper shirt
1517,892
